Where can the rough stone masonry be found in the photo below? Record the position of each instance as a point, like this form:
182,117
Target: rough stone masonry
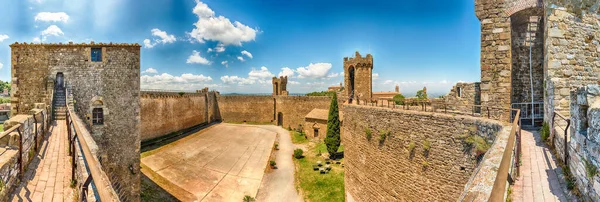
109,81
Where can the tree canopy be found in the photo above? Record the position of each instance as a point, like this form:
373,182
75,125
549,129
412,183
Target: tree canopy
332,140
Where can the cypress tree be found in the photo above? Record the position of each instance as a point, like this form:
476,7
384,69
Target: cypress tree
332,140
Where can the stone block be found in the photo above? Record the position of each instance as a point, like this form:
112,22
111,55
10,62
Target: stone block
497,30
564,91
503,48
556,33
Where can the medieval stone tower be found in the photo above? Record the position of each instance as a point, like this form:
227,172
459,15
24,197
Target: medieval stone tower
279,85
358,77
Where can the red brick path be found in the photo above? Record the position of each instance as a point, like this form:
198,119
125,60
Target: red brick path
48,176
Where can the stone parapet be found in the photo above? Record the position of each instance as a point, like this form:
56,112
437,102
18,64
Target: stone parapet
31,131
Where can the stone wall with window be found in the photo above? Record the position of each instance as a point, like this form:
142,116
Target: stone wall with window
462,97
108,80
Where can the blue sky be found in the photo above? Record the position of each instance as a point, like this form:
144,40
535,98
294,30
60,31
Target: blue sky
237,45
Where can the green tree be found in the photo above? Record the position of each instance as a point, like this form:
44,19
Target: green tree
322,93
421,95
399,99
4,85
332,140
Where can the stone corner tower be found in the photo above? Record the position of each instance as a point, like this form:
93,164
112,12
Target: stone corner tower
358,77
280,86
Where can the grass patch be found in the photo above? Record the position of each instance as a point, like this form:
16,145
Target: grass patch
545,131
477,143
316,186
590,168
322,148
1,127
368,133
298,138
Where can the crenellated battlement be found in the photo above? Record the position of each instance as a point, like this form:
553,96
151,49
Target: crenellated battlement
71,44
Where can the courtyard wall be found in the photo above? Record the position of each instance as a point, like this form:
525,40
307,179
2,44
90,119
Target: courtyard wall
388,170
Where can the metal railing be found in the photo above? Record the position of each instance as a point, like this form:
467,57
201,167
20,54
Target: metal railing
530,111
509,165
18,128
565,128
95,175
510,157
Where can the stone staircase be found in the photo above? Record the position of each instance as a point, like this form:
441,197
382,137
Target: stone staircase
60,108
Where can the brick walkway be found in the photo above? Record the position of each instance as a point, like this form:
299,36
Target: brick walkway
49,174
540,176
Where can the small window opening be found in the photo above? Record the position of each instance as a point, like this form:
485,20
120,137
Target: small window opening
316,132
97,116
462,168
459,91
96,54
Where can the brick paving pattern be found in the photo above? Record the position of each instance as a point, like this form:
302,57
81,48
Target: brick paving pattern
540,178
48,176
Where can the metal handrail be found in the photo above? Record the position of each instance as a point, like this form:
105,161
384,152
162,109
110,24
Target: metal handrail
565,129
93,168
499,188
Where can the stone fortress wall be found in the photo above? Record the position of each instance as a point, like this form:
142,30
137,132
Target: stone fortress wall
112,84
166,112
388,171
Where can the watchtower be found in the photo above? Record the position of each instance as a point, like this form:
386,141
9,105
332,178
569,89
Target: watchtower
279,85
358,77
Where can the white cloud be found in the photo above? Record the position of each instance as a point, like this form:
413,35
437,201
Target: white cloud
286,72
219,28
164,37
317,70
52,30
237,80
37,40
375,76
444,81
150,71
185,81
226,63
262,73
240,58
333,75
52,17
209,50
220,48
388,82
3,37
148,44
246,53
195,58
1,65
293,82
261,76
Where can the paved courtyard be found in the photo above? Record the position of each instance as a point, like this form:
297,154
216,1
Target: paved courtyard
224,162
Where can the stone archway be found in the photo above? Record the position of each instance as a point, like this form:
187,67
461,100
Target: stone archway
351,72
280,119
527,71
59,80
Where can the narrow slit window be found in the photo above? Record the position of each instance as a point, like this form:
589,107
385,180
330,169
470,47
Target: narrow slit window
459,91
96,54
97,116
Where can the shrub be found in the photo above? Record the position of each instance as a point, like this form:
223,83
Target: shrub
249,198
181,93
322,93
425,164
298,153
426,147
411,147
368,133
478,143
332,139
590,168
382,135
272,163
399,99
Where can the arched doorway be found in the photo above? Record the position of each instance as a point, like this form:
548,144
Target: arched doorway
527,72
60,80
351,82
280,119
